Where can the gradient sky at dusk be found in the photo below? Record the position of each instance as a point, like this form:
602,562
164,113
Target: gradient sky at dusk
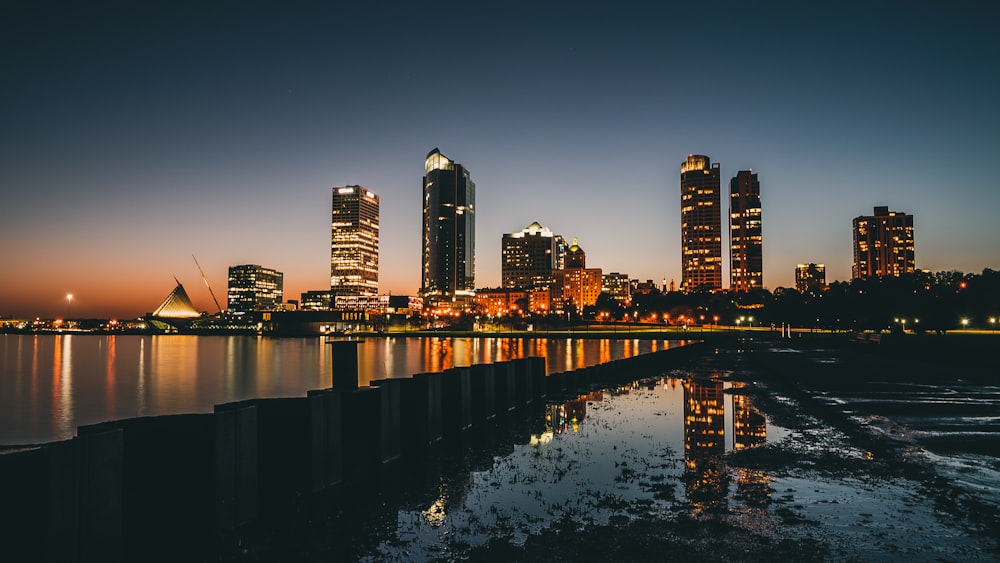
132,137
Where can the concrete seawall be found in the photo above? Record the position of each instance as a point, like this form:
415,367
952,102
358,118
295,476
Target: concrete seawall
192,484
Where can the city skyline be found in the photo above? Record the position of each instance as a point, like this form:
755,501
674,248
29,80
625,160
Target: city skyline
136,136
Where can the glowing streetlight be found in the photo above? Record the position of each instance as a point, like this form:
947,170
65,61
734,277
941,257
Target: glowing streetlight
965,323
69,303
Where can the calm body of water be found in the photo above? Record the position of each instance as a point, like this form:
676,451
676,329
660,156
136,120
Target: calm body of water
50,384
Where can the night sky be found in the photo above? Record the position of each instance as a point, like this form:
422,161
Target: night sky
132,137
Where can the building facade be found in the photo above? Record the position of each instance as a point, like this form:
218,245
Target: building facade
254,288
810,277
448,239
316,300
701,224
528,258
618,287
746,258
883,244
354,241
576,286
502,302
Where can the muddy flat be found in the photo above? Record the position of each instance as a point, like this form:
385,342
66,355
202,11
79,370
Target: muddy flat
753,451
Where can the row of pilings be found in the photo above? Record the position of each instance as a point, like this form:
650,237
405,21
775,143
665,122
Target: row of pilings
183,486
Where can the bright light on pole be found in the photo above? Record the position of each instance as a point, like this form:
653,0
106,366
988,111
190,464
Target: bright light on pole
965,323
69,303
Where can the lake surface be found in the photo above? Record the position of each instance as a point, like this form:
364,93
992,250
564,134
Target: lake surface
50,384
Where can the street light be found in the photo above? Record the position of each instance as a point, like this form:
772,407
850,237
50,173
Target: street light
965,323
69,303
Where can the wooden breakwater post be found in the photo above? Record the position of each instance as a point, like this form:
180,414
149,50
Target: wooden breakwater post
421,408
370,417
63,500
300,445
326,463
456,403
539,374
236,469
483,391
505,388
121,486
524,375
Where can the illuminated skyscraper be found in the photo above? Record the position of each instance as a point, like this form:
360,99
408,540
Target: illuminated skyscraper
449,233
701,224
810,277
254,288
746,266
528,258
576,286
618,287
883,244
354,242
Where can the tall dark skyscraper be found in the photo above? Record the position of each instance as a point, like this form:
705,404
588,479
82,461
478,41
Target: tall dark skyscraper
354,238
701,224
746,266
449,233
883,244
529,256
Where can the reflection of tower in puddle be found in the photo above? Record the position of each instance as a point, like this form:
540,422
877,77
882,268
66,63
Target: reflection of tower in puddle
705,478
749,425
566,417
749,430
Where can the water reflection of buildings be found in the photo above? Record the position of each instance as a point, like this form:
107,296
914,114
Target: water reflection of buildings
705,477
749,425
753,486
563,417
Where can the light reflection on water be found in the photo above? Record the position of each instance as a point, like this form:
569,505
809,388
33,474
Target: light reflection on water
50,384
600,455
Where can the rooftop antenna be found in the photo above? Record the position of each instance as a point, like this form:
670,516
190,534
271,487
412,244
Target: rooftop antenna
217,306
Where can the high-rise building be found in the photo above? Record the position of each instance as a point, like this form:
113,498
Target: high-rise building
575,256
883,244
576,286
254,288
528,258
354,241
810,277
701,224
562,247
449,233
316,300
618,287
746,265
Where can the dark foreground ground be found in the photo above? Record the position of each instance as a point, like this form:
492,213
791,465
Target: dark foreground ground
871,454
890,454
